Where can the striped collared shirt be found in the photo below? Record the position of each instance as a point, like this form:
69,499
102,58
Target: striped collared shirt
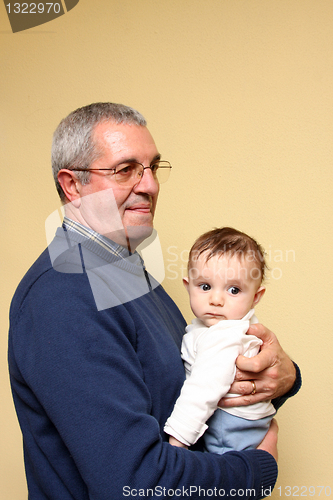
110,246
117,251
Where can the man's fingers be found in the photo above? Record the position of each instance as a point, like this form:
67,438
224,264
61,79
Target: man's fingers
272,372
262,333
246,387
256,364
250,392
241,401
244,368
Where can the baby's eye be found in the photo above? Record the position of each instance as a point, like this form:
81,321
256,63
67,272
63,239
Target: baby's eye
205,287
233,290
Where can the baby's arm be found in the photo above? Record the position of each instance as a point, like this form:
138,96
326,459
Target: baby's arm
212,374
175,442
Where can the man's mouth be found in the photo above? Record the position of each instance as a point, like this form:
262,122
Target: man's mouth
142,208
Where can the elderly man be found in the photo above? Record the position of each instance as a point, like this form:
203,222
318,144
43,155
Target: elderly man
94,345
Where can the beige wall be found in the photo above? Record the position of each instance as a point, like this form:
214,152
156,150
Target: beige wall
239,97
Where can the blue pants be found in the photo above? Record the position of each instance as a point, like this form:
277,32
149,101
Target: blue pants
226,432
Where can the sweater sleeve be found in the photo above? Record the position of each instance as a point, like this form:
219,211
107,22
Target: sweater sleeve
87,416
278,402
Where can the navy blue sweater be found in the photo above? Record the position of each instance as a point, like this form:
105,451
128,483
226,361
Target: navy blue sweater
94,382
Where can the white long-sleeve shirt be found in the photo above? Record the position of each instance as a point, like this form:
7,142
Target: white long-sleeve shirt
209,355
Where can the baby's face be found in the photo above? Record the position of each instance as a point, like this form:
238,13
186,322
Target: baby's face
223,287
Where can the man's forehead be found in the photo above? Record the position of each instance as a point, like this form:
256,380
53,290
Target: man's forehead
124,137
108,130
104,130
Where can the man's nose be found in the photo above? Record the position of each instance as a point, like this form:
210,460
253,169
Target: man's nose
148,183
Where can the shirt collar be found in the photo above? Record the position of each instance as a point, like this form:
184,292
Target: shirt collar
108,245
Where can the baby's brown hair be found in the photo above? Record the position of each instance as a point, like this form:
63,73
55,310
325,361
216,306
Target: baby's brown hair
229,241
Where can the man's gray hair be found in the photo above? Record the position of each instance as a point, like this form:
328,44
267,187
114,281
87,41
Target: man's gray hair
73,143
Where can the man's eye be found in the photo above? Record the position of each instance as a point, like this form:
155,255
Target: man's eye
154,167
205,287
233,290
125,170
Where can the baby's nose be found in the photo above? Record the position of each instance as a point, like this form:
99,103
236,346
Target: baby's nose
216,299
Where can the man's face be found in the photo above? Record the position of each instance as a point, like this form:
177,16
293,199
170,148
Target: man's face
124,214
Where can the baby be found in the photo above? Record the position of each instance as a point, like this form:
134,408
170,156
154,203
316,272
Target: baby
226,270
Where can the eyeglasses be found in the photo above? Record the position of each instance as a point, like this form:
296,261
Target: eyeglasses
131,173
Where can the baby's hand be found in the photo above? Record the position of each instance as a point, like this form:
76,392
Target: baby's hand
175,442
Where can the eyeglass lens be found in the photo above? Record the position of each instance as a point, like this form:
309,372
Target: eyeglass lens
132,172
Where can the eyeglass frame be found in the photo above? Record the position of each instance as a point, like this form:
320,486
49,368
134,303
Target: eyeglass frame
169,166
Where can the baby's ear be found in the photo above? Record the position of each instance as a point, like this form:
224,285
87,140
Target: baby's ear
185,282
260,292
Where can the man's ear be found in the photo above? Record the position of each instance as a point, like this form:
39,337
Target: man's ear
68,182
260,292
186,282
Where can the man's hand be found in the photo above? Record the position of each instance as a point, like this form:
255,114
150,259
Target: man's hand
269,443
268,375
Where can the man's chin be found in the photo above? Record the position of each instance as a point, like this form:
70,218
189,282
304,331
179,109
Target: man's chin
137,234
